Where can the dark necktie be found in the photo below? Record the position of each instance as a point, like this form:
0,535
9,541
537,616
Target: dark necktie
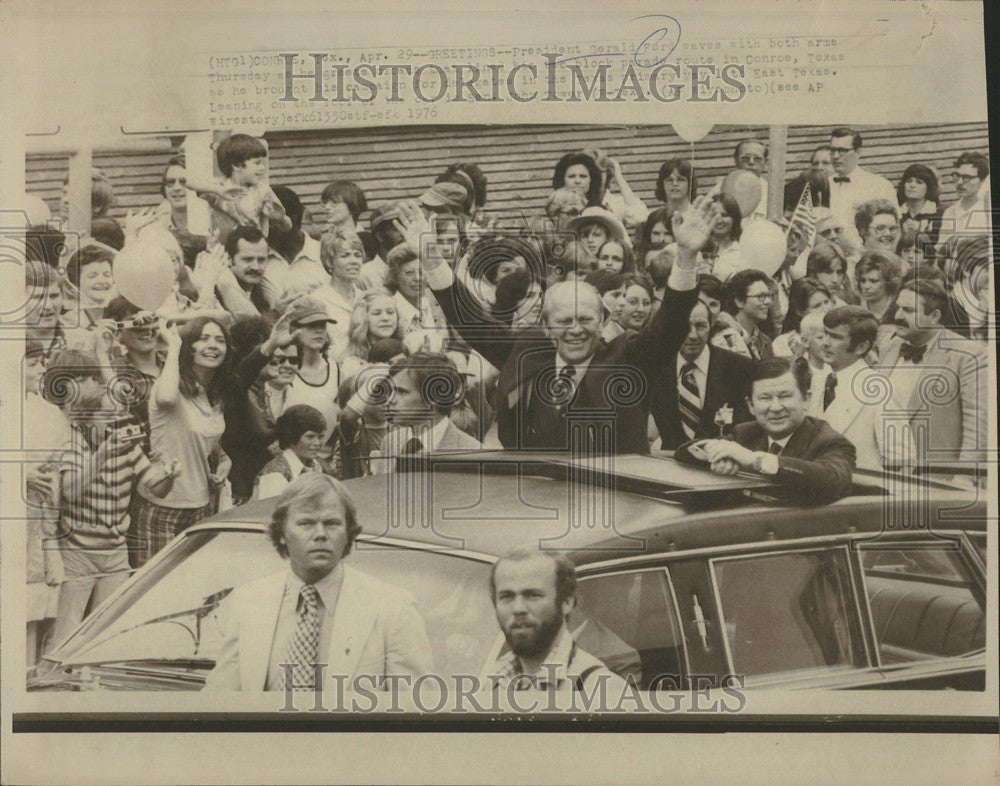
842,180
565,386
304,640
912,353
413,445
689,400
829,390
775,448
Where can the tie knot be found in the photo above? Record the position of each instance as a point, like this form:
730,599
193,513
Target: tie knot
688,368
309,596
831,381
567,372
413,445
775,448
910,352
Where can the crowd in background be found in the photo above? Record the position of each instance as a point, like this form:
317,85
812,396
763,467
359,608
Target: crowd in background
171,369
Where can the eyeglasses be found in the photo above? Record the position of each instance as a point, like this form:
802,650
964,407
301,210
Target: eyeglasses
278,360
840,151
965,178
831,231
751,159
763,296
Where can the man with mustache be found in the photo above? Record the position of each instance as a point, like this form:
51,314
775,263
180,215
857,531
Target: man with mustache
248,253
938,376
318,619
533,593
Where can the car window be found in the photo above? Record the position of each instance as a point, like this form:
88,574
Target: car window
628,621
787,612
178,611
923,603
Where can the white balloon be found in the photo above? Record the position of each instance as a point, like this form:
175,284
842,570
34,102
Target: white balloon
144,275
762,246
692,130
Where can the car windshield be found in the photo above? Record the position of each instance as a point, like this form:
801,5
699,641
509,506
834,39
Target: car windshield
174,611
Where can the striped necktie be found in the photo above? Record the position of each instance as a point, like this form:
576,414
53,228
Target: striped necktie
304,641
689,400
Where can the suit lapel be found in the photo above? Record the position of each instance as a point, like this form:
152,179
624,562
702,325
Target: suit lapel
800,440
257,638
715,386
353,620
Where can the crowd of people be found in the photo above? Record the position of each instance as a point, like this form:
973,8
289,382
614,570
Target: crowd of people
169,372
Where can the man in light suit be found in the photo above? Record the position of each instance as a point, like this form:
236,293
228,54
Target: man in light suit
320,619
425,389
811,460
937,376
849,396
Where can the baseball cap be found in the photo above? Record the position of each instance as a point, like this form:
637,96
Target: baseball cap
307,310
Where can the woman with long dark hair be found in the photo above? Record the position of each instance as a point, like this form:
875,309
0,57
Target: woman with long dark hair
806,296
918,202
186,427
724,246
579,172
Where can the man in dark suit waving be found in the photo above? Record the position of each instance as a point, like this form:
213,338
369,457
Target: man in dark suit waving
561,386
692,387
802,453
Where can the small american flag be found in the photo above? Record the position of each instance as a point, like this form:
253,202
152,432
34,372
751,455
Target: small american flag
803,216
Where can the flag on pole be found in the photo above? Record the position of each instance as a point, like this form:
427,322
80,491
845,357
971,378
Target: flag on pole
804,218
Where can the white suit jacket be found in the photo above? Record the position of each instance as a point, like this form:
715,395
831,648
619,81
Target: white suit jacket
858,413
376,631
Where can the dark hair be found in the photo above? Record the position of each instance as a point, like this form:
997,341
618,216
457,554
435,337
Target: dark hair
65,369
605,281
739,283
799,295
294,208
970,252
825,146
88,255
565,571
387,237
819,189
440,384
236,150
927,271
385,349
220,383
639,280
932,294
511,292
914,238
119,309
822,258
570,256
661,215
307,489
490,252
109,232
247,333
102,193
747,141
731,208
628,259
44,244
861,324
772,368
174,161
978,160
349,193
247,233
594,192
842,131
39,274
296,421
865,214
712,286
669,167
886,263
470,176
920,172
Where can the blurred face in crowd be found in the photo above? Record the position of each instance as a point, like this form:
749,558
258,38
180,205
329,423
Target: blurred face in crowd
843,156
315,534
820,162
407,406
509,266
248,262
614,300
573,321
34,368
307,448
210,347
565,206
337,212
751,157
834,279
675,186
529,310
914,188
44,305
593,236
912,256
313,336
409,281
912,324
577,178
526,604
346,263
699,326
611,257
283,365
637,307
795,243
831,230
758,301
140,340
723,227
174,182
659,236
818,301
96,283
835,346
778,405
252,172
811,333
967,181
883,233
871,285
714,305
382,317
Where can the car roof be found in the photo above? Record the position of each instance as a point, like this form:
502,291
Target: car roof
654,503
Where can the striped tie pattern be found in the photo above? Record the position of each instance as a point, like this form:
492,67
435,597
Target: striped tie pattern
305,639
689,400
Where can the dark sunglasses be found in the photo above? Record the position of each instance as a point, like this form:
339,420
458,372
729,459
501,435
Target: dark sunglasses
289,361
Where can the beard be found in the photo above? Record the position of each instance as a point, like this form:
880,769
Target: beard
535,638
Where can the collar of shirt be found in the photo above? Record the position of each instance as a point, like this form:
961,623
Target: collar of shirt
406,311
294,462
310,251
700,362
328,587
557,664
430,437
783,441
581,368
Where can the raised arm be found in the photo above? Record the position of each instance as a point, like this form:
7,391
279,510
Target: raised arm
166,389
